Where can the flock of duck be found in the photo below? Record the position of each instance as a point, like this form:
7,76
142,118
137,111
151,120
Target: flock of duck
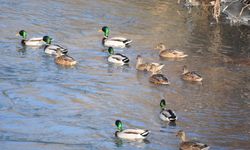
168,115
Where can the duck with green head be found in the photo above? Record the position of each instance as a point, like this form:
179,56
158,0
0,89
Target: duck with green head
52,48
116,42
166,114
37,42
130,134
117,58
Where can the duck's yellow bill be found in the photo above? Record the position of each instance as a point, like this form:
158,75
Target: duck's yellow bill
17,34
100,30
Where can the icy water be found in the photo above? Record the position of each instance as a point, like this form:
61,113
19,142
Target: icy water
44,106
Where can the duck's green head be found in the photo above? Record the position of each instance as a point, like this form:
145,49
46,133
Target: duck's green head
47,39
105,31
23,34
163,103
111,50
118,124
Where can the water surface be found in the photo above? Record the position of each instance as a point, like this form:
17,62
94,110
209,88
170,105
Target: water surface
46,106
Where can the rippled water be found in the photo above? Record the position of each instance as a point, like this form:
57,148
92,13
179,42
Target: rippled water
46,106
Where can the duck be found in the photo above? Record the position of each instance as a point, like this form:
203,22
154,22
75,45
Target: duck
158,78
36,42
130,134
190,145
169,53
52,48
166,114
117,58
116,42
64,59
190,76
147,66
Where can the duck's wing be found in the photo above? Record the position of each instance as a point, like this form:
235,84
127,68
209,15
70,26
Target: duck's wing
62,49
114,43
194,74
33,42
194,145
54,47
168,113
51,49
67,58
121,39
199,146
122,57
133,134
141,132
160,77
177,52
36,39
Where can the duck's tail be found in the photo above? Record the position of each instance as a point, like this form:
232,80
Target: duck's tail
127,42
205,147
146,133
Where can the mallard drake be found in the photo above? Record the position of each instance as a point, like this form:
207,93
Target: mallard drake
169,53
64,59
52,48
130,134
117,58
166,114
37,42
158,78
116,42
190,76
147,66
190,145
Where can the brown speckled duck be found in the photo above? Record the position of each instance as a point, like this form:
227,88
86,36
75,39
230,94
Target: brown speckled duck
64,59
190,75
169,53
147,66
158,78
190,145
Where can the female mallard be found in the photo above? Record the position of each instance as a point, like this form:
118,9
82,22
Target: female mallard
190,145
52,48
117,58
64,59
116,42
190,76
130,134
168,53
166,114
32,41
158,78
147,66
